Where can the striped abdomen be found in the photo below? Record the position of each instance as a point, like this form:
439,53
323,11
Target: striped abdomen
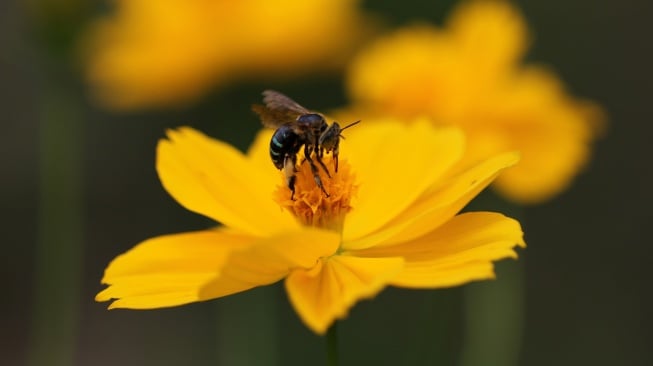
284,142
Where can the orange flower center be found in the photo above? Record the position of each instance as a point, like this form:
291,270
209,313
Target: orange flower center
311,205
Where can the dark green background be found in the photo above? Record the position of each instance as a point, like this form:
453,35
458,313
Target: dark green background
587,268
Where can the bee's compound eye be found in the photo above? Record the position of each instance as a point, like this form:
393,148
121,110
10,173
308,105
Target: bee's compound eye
310,119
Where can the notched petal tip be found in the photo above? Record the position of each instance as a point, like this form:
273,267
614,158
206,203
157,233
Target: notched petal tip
183,132
102,296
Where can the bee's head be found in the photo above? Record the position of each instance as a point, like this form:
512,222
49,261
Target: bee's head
330,138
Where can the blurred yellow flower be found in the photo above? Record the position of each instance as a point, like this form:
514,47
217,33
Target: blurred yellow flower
390,219
468,75
154,53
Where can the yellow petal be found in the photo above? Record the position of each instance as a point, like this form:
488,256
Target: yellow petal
169,270
259,155
469,75
259,150
129,57
491,36
539,111
155,291
270,259
390,179
214,179
327,292
460,251
401,74
302,44
157,53
437,205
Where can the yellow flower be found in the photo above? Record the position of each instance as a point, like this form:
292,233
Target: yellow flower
390,220
468,75
155,53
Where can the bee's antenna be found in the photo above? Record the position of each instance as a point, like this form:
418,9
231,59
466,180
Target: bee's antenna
349,125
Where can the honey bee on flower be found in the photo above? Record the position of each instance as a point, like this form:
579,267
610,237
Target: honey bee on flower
295,127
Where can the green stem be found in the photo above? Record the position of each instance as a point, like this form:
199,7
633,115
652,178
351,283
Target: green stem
494,318
248,329
332,345
59,246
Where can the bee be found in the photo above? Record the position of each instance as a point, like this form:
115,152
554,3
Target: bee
298,127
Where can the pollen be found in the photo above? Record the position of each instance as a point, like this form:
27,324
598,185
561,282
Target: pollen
310,205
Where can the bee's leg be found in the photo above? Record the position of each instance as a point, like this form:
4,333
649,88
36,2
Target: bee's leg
318,157
336,152
289,172
316,176
315,170
291,185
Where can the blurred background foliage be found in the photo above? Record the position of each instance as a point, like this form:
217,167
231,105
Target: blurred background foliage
79,187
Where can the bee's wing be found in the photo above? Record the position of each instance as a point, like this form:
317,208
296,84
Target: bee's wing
278,109
270,118
278,101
